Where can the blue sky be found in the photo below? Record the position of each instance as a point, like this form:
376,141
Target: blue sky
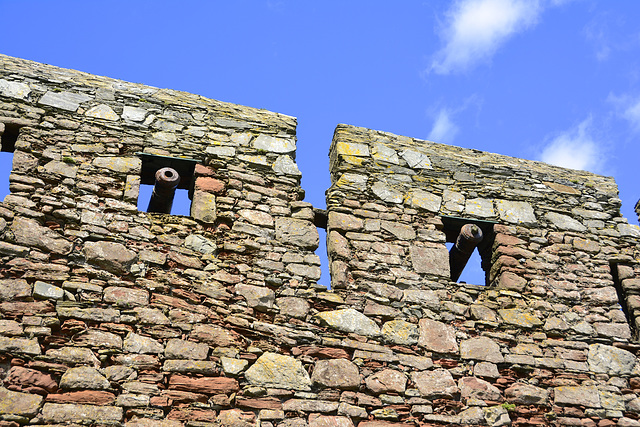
550,80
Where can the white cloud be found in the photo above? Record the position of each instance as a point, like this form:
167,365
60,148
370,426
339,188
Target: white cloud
632,113
575,149
476,28
443,130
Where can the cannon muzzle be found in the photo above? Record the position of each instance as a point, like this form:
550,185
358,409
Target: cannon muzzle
164,190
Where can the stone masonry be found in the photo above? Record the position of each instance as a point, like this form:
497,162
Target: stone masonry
113,316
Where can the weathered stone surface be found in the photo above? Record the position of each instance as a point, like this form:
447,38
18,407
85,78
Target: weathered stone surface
111,256
133,114
482,208
209,385
183,349
297,232
517,317
574,395
203,206
257,297
436,383
416,160
338,245
200,244
128,165
516,212
126,297
610,360
302,405
420,199
47,291
387,380
98,339
338,373
29,232
30,380
135,343
20,345
215,335
475,388
400,332
83,397
398,230
61,413
278,371
344,222
83,377
426,298
481,348
16,403
14,89
102,111
329,421
286,165
273,144
386,193
564,222
12,289
64,170
233,366
293,306
430,260
74,355
237,418
64,100
438,337
349,320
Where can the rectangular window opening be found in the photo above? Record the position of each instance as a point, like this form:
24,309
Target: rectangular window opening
175,188
471,261
8,137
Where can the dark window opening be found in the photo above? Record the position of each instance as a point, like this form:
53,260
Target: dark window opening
470,262
173,189
8,137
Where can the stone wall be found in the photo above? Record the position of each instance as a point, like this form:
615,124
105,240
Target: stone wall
109,315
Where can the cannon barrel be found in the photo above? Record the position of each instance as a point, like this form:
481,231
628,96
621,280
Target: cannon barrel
470,236
164,190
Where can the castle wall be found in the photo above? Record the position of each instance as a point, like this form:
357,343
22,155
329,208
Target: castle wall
110,315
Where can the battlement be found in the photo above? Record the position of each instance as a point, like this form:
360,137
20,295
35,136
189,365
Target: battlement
113,315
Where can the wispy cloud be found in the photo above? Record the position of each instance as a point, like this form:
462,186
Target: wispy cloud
444,129
475,29
627,106
575,148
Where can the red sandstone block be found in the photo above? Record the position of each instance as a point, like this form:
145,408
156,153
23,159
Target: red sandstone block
91,397
209,385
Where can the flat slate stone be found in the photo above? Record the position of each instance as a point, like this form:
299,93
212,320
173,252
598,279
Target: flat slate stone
286,165
297,232
424,200
416,160
430,260
133,114
278,371
47,291
610,360
482,208
383,153
84,377
102,111
14,89
64,100
336,373
437,336
564,222
22,404
273,144
400,332
350,321
481,348
111,256
436,383
516,212
386,193
64,412
29,232
577,396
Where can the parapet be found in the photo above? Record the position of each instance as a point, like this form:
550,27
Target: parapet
110,315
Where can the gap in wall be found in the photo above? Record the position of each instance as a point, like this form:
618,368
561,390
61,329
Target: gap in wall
473,273
6,160
181,202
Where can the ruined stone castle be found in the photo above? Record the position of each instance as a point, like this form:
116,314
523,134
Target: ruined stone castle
114,316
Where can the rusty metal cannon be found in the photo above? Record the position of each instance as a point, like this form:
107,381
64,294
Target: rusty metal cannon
468,239
167,180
